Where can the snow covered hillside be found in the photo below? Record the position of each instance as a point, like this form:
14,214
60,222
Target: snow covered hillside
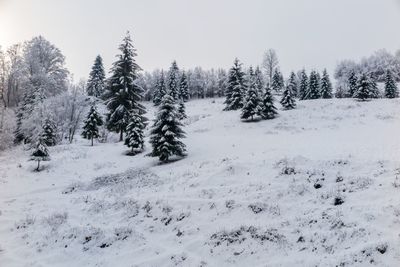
317,186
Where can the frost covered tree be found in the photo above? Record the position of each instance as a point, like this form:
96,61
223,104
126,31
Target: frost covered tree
352,83
173,80
183,87
363,91
122,93
135,133
277,81
49,136
374,90
270,63
91,124
391,90
236,87
96,82
46,68
166,132
160,89
313,86
40,153
326,85
24,109
267,109
303,86
181,110
292,84
251,105
287,100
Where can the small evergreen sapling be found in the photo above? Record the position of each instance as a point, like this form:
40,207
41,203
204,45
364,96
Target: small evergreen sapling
166,132
134,134
160,90
287,100
48,135
91,124
40,153
268,110
277,81
292,84
391,90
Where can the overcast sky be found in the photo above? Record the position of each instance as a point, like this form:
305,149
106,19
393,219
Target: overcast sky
207,33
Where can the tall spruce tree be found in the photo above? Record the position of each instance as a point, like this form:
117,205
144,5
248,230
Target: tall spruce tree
277,81
123,94
96,82
313,86
173,81
236,87
292,84
352,83
267,109
391,90
135,133
167,131
184,87
40,153
326,85
251,106
91,124
363,91
287,100
49,133
24,110
160,89
303,86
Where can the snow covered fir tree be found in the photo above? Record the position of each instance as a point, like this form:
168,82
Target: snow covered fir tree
160,89
166,132
96,82
292,84
48,135
251,104
181,110
184,87
91,124
326,85
363,90
313,86
303,86
173,81
236,87
352,83
267,108
391,90
40,153
135,133
287,100
277,81
123,94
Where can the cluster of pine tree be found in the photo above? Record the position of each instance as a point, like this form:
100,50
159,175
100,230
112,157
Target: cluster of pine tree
314,86
364,86
126,115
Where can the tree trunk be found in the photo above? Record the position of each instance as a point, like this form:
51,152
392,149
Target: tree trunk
121,135
38,165
92,140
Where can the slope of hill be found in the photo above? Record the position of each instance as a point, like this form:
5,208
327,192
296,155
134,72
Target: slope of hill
317,186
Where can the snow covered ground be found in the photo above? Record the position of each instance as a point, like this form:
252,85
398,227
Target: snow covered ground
318,186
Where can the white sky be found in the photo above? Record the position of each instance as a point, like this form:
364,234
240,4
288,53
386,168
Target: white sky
208,33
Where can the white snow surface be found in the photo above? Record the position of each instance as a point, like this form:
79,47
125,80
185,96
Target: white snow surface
247,194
